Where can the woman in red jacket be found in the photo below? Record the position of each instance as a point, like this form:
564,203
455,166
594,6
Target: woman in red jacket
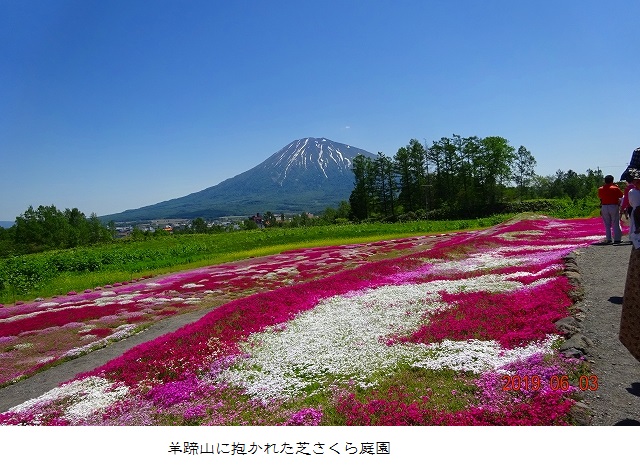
610,196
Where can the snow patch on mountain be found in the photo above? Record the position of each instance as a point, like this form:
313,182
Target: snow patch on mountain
328,157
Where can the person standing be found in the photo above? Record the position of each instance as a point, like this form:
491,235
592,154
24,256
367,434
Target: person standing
630,319
610,196
625,207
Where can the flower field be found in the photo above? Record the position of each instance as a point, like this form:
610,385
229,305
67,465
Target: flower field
434,330
41,333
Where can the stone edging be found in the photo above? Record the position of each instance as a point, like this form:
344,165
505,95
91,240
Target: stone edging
575,344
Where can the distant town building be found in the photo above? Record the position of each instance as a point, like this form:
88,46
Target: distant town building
258,220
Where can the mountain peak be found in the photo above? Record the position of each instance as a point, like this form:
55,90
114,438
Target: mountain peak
309,174
321,156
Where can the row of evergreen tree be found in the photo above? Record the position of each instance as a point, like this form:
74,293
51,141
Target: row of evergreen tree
456,177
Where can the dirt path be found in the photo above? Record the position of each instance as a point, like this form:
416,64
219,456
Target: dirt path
47,380
603,271
617,401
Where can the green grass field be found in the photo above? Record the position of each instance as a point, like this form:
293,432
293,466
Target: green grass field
52,273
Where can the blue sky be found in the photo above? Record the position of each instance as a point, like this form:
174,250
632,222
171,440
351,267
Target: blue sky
111,105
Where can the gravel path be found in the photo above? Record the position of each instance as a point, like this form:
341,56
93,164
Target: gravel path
603,271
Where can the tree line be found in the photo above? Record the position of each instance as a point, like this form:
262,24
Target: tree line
456,177
453,178
47,228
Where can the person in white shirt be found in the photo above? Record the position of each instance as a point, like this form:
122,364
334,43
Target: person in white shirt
634,218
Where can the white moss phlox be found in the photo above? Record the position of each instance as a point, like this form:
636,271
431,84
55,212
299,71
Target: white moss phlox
344,337
87,396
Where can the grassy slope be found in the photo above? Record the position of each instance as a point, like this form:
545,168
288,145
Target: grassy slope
59,272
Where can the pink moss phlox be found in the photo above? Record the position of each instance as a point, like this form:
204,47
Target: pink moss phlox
171,393
220,364
548,410
535,376
195,412
236,277
396,408
185,352
512,319
305,417
61,317
209,345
